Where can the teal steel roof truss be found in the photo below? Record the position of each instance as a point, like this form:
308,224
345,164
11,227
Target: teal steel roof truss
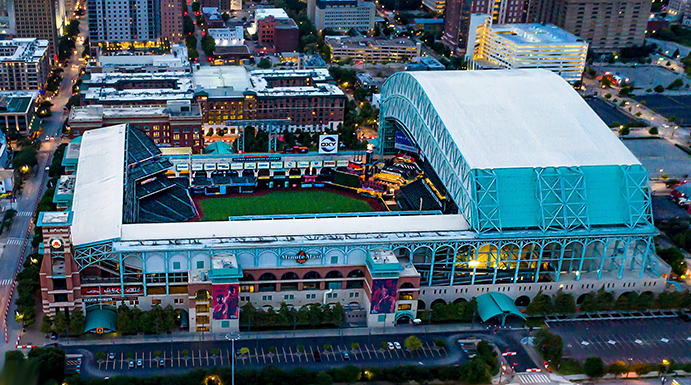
637,196
488,213
562,197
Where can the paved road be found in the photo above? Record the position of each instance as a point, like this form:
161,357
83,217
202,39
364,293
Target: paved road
17,236
649,340
287,354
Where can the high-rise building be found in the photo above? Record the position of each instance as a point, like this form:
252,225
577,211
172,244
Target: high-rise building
607,25
434,5
131,20
24,64
40,19
522,46
342,14
502,11
456,25
171,20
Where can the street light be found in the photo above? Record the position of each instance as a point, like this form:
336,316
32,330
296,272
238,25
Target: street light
233,336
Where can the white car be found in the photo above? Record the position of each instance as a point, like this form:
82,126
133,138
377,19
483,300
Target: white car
397,345
391,347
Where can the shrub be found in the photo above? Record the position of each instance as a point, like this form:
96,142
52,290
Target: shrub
327,347
618,368
594,367
624,131
272,349
649,90
215,352
300,348
355,345
383,345
638,114
185,353
659,88
159,353
440,343
608,96
653,131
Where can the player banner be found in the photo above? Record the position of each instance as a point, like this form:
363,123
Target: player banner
226,301
384,293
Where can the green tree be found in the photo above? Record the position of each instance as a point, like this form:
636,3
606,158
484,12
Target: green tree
77,323
564,303
476,372
208,45
196,7
540,305
51,363
60,322
323,378
264,64
225,16
659,88
618,368
46,325
594,367
412,343
549,344
122,320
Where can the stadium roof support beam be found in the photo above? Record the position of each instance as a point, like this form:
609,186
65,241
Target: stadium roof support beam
562,198
405,103
489,217
87,256
637,194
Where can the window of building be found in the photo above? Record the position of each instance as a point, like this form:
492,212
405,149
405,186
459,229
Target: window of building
178,301
225,324
156,301
381,318
176,265
334,260
311,296
202,319
405,306
204,308
202,328
246,288
267,298
288,296
200,264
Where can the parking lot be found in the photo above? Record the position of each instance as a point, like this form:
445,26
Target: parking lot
193,355
670,105
609,114
660,154
634,340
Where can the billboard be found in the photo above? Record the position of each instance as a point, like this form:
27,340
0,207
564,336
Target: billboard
328,144
403,143
226,301
384,293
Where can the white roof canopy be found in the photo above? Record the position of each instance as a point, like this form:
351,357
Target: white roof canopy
520,118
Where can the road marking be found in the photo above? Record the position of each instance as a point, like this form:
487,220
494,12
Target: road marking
533,378
25,214
14,241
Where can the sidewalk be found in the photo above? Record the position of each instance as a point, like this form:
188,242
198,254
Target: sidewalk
91,339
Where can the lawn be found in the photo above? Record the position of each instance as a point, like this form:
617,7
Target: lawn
282,202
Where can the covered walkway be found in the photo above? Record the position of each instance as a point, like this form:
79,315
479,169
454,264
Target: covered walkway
493,304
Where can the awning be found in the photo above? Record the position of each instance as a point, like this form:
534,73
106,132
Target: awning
493,304
100,321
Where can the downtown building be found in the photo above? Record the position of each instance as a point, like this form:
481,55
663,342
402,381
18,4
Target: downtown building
371,50
607,25
276,31
176,124
24,64
342,15
18,113
39,19
521,46
130,235
134,20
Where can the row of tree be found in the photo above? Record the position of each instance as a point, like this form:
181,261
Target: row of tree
43,366
477,371
64,323
453,312
28,285
155,321
287,317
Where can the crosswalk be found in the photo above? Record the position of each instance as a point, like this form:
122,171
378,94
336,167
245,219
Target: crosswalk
15,241
533,378
5,282
25,214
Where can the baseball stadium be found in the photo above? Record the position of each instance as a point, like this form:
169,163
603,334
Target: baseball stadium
495,185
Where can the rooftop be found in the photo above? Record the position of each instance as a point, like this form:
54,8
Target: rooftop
535,34
98,191
277,13
98,112
359,42
176,58
229,78
228,36
530,118
26,49
16,101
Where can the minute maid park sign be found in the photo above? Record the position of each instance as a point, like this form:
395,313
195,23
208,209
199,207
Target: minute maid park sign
302,256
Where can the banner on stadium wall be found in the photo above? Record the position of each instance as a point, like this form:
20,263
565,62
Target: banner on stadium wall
403,143
226,301
302,256
384,294
111,290
328,144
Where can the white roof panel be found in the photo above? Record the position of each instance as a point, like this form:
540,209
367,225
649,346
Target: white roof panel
521,118
287,227
98,192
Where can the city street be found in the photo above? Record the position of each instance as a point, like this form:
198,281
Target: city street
638,340
362,351
16,239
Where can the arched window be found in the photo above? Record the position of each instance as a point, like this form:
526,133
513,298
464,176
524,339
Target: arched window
289,275
202,295
267,277
356,274
247,278
407,285
333,274
312,275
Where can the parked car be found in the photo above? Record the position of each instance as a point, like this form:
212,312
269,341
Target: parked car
345,356
111,356
391,346
317,356
130,365
162,363
140,363
397,345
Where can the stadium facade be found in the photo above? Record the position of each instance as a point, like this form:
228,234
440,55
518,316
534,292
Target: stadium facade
542,197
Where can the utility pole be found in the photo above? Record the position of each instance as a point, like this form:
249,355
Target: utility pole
234,336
